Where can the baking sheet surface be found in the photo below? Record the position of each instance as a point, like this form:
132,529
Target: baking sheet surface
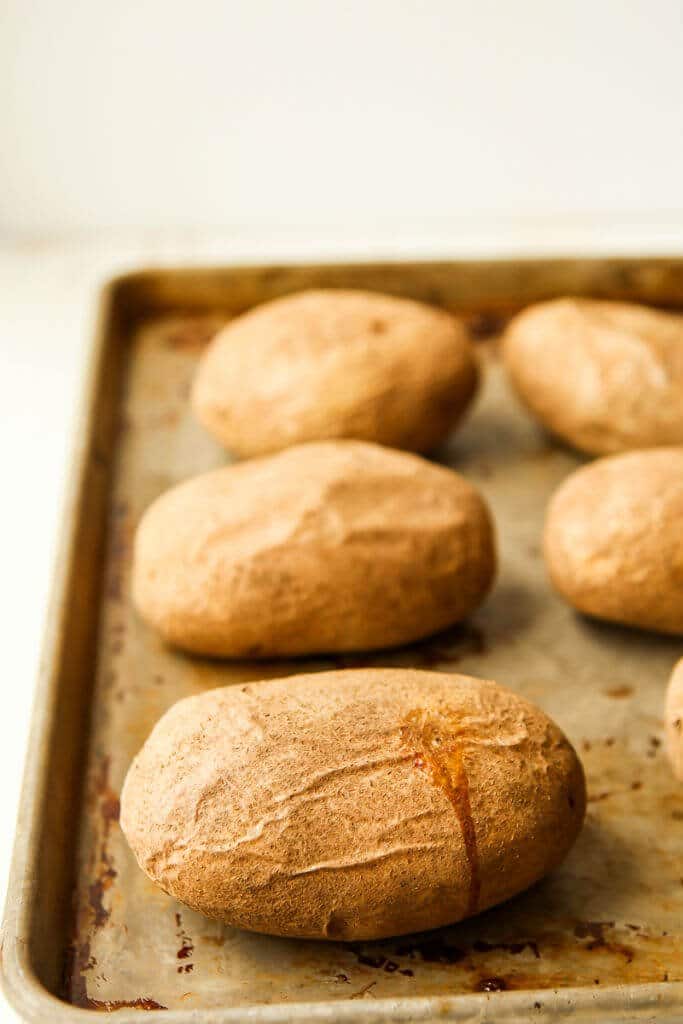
613,914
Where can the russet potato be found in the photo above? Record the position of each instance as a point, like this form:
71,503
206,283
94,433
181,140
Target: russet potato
613,539
336,364
353,804
329,546
603,376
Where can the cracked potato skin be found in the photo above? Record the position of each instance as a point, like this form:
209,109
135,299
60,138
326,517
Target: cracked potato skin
613,539
329,546
336,363
355,804
604,376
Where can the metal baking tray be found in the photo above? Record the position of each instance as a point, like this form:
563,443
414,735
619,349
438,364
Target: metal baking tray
86,932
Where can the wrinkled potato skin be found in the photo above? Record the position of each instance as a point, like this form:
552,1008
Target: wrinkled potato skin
605,377
330,546
614,539
329,364
308,806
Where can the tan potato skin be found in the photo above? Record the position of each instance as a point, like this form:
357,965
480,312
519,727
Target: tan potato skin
673,720
330,546
352,805
614,539
604,376
336,364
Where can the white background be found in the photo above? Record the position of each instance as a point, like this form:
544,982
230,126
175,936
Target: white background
163,132
302,112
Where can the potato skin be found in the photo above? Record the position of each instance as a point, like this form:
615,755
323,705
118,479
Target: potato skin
613,539
604,376
312,806
673,720
330,546
335,364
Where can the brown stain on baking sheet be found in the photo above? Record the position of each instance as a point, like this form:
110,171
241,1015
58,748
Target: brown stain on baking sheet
619,692
596,798
105,873
186,948
109,1005
598,938
479,961
494,984
380,961
79,960
432,949
439,754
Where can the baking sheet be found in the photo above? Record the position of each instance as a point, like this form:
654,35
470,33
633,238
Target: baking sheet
612,915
